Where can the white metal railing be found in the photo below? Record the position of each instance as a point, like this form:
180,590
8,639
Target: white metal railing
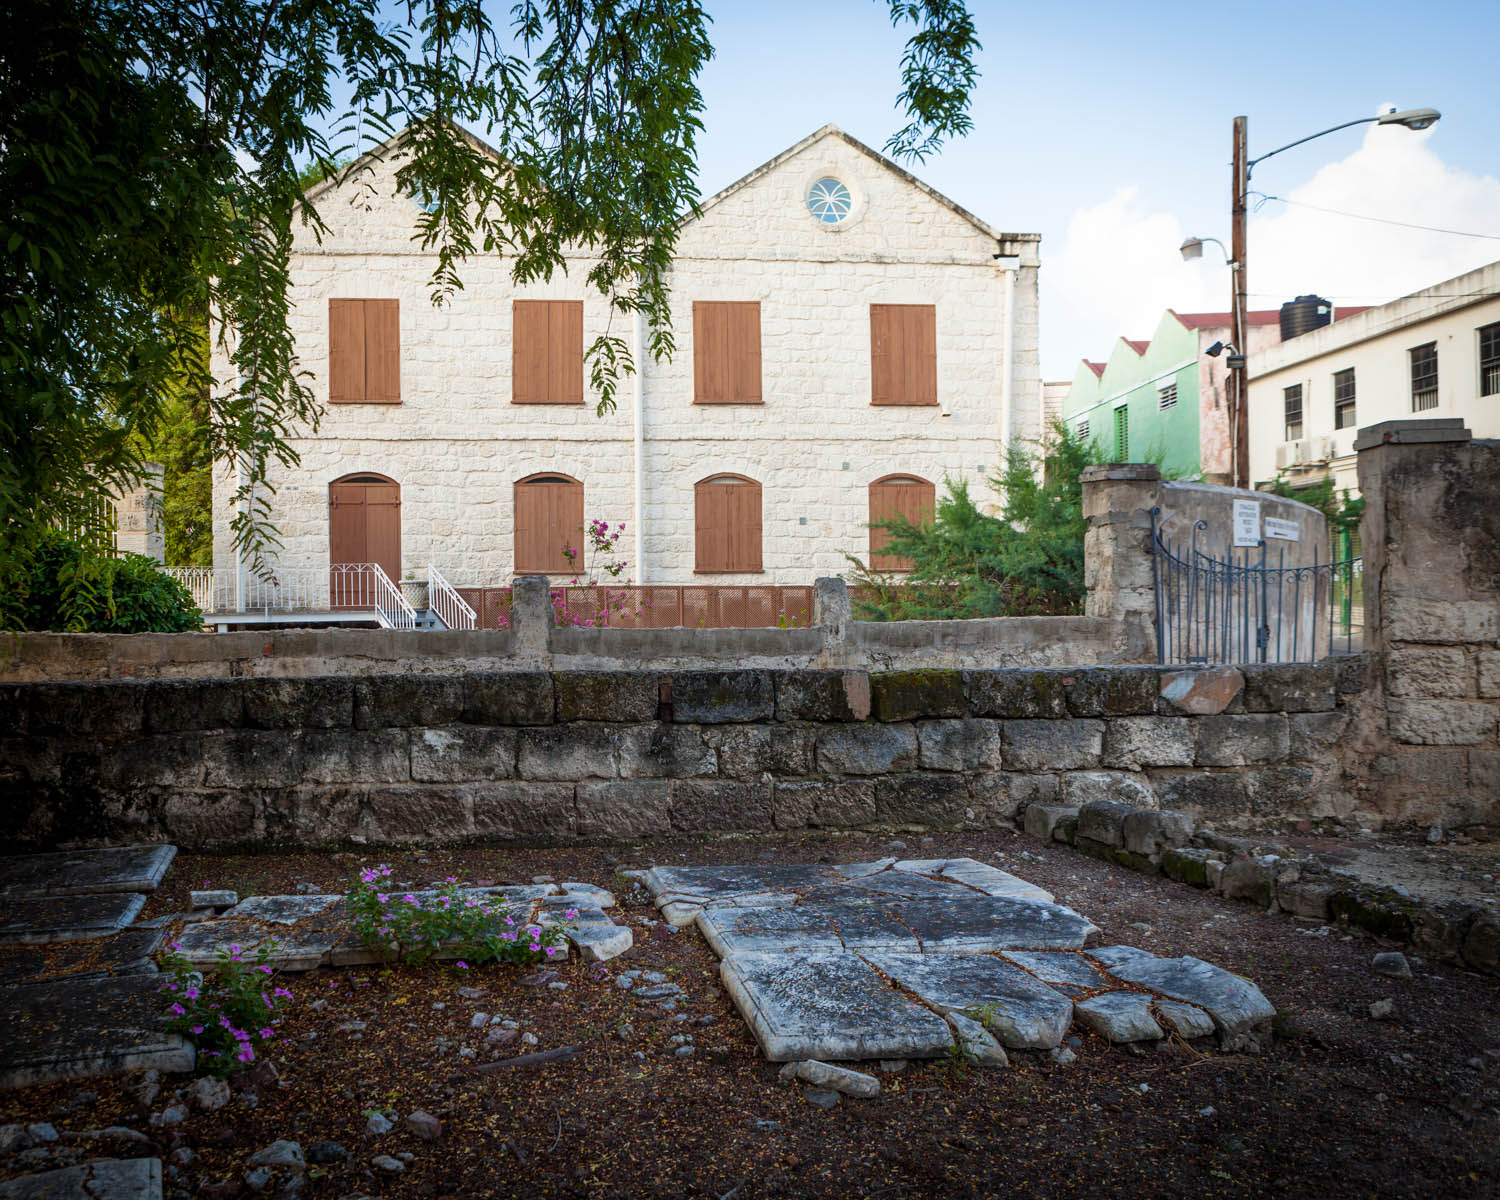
447,605
390,605
355,586
199,582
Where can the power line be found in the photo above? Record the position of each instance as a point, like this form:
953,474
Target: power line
1494,237
1360,299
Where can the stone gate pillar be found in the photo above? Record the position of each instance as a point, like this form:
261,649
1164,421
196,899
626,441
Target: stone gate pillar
1117,501
138,517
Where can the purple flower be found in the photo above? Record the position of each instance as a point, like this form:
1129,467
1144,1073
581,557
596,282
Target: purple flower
197,1028
571,914
282,993
191,993
461,965
266,1033
535,946
245,1053
178,1010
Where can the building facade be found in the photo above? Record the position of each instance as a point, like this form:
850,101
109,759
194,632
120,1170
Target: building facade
846,338
1434,353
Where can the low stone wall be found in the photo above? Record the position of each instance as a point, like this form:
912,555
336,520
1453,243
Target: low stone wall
538,755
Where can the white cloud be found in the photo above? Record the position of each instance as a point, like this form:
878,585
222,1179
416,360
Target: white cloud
1119,266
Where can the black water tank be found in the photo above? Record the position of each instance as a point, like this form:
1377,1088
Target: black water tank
1303,315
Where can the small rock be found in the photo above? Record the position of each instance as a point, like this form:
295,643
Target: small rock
766,1126
148,1088
182,1156
541,879
258,1179
391,1166
1434,834
625,1031
1062,1056
540,978
683,1051
657,991
558,986
1391,964
466,1052
173,1114
788,1072
624,982
309,889
897,844
318,1005
893,1066
13,1138
438,1006
323,1153
209,1094
500,1037
820,1098
406,1156
425,1125
529,1039
353,1027
826,1075
1383,1010
479,1020
213,899
280,1153
471,993
41,1133
976,1041
378,1124
1207,1111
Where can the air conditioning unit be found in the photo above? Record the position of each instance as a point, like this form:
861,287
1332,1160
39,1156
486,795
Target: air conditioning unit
1326,449
1289,454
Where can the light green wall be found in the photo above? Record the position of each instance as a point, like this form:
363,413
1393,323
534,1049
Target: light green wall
1169,437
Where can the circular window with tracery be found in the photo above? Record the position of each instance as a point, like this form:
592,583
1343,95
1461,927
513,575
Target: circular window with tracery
829,201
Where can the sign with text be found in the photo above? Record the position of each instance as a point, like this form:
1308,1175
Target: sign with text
1247,522
1286,531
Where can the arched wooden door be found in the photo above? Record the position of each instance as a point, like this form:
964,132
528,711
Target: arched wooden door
549,518
892,496
364,526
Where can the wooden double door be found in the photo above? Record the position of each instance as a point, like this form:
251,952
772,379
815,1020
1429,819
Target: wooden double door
364,526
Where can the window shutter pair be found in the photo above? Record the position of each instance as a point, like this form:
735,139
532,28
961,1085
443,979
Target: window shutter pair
903,354
364,351
726,352
726,525
548,516
546,355
897,496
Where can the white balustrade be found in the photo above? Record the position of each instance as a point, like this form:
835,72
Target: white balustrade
390,605
447,605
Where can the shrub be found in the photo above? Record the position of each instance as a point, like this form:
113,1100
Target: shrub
227,1013
69,588
468,926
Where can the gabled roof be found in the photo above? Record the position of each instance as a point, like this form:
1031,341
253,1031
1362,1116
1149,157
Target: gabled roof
1096,367
875,156
381,149
1138,347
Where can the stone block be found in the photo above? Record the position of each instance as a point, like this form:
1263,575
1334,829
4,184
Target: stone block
1427,671
418,701
1420,618
1307,894
180,705
172,760
928,801
1103,821
419,814
520,810
1489,673
1203,794
567,752
1482,944
664,751
1314,735
996,798
1252,878
1289,687
840,1079
822,695
1206,692
1484,771
201,820
1113,691
315,703
1089,787
355,756
1351,672
1152,831
1067,745
1377,910
1134,742
749,751
1017,694
624,809
459,753
1189,865
80,709
903,695
1441,722
721,807
820,804
1439,928
606,695
1237,741
867,749
1042,820
317,815
961,745
722,697
252,758
508,698
1241,1013
1119,1017
1281,791
1012,1004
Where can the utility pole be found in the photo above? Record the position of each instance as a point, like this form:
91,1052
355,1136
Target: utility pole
1239,385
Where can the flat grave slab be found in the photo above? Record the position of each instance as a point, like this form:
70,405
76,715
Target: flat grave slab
803,929
980,876
102,1179
85,1029
281,910
126,953
1062,970
1240,1011
900,885
1021,1012
829,1006
702,884
31,920
136,868
985,923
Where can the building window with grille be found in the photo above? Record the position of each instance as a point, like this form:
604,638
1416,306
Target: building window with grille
1343,399
1083,431
1122,434
1166,396
1489,360
1292,403
1424,377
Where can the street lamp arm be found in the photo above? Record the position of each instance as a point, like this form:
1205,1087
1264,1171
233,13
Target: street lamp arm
1346,125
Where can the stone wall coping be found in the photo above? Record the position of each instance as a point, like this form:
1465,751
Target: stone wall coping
1137,472
1410,433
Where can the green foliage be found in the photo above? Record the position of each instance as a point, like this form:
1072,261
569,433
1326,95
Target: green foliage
225,1014
155,158
1025,561
1342,509
63,586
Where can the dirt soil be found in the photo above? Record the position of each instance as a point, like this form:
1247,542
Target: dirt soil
1466,869
1344,1105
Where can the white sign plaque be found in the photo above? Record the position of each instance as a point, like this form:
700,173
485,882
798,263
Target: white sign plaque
1247,522
1287,531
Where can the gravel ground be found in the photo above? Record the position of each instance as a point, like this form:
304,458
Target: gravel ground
1344,1105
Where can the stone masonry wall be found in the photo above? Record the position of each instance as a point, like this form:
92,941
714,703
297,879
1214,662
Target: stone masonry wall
537,755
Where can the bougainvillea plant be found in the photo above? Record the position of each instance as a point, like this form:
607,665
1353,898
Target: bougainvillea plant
227,1012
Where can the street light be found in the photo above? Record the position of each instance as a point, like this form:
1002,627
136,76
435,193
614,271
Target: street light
1411,118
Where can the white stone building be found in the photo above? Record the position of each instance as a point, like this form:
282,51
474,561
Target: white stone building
749,458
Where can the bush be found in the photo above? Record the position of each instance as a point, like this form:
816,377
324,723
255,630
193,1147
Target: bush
66,587
225,1014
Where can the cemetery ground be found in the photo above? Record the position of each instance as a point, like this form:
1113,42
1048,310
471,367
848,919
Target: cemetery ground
1342,1104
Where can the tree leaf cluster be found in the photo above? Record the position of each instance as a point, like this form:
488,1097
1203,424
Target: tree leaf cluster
70,588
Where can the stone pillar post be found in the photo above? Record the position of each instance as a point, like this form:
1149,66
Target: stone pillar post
1117,501
531,618
1431,539
138,517
833,614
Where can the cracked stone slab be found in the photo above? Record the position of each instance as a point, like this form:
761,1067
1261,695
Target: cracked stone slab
1119,1017
1241,1013
980,876
1185,1020
600,943
293,948
136,868
1061,969
721,883
588,893
101,1179
804,929
31,920
898,885
1021,1012
87,1029
829,1007
126,953
281,910
985,923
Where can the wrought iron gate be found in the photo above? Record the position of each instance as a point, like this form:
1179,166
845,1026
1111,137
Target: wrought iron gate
1246,608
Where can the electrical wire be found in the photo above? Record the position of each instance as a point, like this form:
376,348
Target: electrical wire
1494,237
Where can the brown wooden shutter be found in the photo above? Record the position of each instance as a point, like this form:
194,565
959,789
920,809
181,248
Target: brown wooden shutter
905,496
726,525
346,523
903,354
528,352
382,352
346,352
383,527
726,352
546,358
548,517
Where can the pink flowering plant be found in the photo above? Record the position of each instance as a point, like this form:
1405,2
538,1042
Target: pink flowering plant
472,927
225,1013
